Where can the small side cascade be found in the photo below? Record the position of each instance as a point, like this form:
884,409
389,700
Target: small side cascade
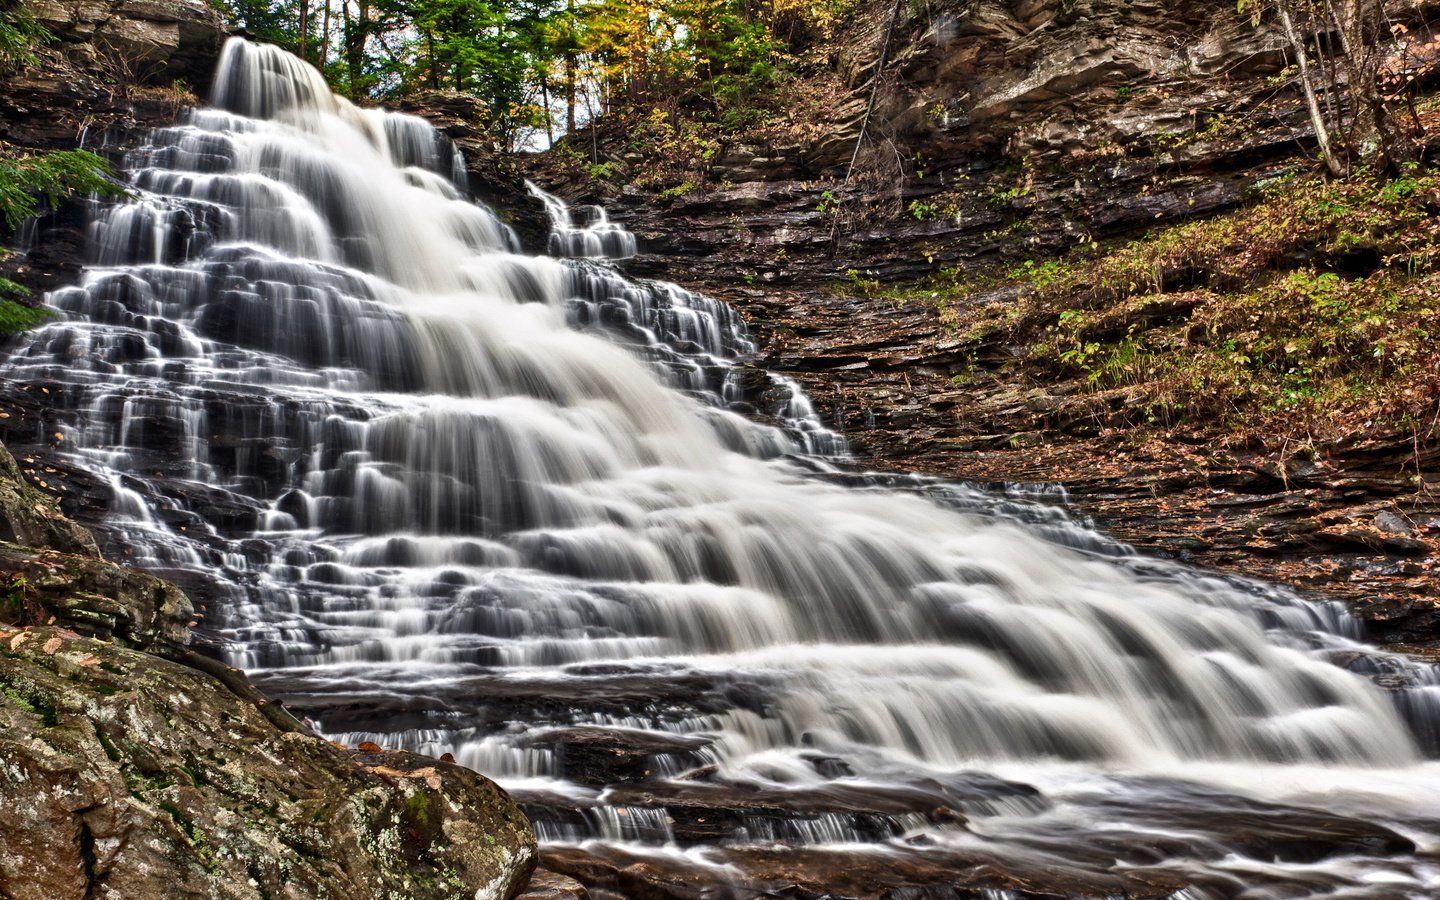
584,233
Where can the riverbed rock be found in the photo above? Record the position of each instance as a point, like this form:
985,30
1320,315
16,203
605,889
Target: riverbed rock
852,874
126,775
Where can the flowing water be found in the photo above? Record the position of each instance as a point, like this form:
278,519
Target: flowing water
447,496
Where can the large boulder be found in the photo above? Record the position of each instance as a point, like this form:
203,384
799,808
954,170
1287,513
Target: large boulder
131,766
127,775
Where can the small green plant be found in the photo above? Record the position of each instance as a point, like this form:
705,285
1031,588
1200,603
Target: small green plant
1039,275
922,211
1003,198
20,34
15,592
17,317
676,192
861,286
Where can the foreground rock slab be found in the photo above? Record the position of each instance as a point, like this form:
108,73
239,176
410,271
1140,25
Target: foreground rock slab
127,775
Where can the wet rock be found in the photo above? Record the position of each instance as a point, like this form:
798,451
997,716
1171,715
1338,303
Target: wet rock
1391,523
704,813
589,693
1255,828
28,516
547,885
599,756
815,873
127,775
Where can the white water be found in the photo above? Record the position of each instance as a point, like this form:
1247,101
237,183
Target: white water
443,466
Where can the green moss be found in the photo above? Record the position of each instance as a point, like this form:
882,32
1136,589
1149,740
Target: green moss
17,317
417,807
142,783
19,699
1311,311
197,776
31,701
195,836
107,745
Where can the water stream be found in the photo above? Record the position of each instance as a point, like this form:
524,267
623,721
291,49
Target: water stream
448,496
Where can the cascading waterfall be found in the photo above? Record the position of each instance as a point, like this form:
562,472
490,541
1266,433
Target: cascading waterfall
454,497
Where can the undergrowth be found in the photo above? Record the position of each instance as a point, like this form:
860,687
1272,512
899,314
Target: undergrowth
1314,310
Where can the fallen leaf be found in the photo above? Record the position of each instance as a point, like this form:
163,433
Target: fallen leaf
52,645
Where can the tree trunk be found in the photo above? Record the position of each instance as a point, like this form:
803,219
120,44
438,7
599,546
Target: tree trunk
1378,135
1317,120
304,29
357,32
324,34
570,67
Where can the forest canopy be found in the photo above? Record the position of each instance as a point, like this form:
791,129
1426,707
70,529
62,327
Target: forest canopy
542,67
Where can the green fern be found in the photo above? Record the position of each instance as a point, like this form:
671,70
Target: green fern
20,34
26,182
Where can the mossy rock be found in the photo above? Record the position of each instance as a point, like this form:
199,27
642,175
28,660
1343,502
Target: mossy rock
128,775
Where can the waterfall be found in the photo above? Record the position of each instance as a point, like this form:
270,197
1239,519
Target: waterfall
455,497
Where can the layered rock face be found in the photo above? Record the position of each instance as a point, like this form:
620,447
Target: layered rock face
1000,129
111,65
113,71
130,767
